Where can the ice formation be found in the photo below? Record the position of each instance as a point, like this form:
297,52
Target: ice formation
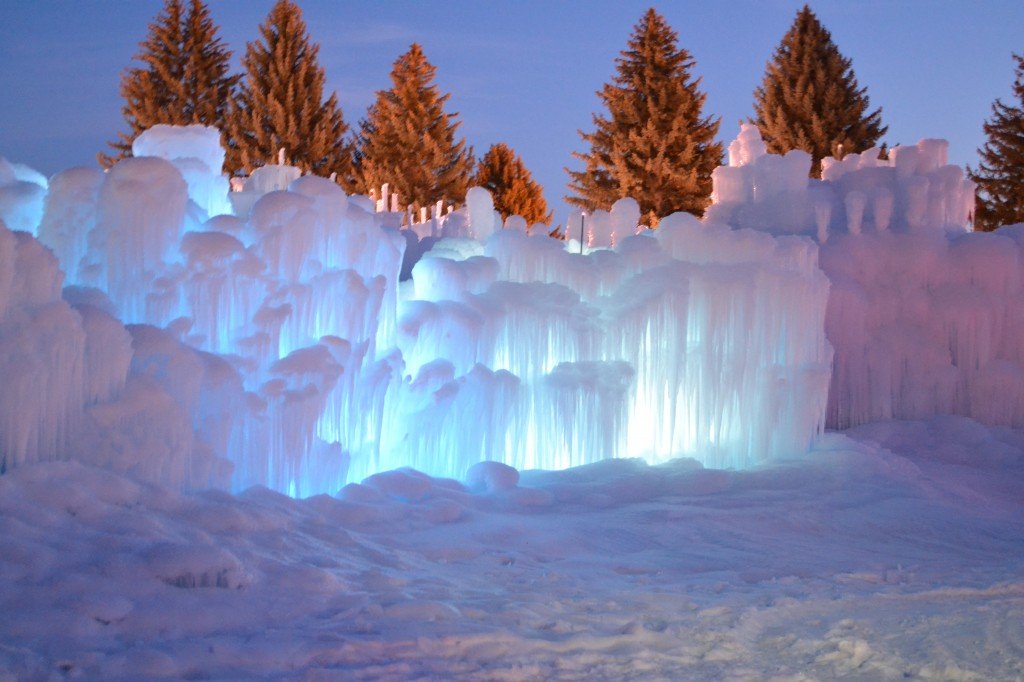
927,324
77,383
22,193
925,315
196,152
288,335
914,190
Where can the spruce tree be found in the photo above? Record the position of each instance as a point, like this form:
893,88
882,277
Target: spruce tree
655,145
280,104
408,140
1000,176
504,175
810,99
185,78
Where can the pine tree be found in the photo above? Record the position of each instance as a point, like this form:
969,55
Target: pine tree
1000,176
408,141
209,84
504,175
655,145
810,99
280,104
186,78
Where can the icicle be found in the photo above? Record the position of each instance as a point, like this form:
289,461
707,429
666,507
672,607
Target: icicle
882,207
822,216
917,202
854,202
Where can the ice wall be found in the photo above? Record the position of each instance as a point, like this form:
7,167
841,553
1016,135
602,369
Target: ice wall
274,341
140,220
196,152
266,335
42,355
69,218
925,315
281,337
698,341
78,384
926,324
914,190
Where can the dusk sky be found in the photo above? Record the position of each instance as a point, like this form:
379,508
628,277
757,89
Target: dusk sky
524,73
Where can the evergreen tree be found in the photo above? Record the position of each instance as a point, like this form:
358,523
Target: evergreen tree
654,145
504,175
810,100
185,79
280,104
1000,176
408,141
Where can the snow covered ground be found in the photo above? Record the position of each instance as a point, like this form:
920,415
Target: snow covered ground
894,550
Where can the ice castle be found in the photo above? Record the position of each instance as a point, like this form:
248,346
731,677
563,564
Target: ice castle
292,336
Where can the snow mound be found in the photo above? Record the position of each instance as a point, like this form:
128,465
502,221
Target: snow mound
491,477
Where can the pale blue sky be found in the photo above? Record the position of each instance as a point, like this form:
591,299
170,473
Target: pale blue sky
524,73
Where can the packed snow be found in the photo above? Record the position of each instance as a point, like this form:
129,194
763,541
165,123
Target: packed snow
460,447
893,551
